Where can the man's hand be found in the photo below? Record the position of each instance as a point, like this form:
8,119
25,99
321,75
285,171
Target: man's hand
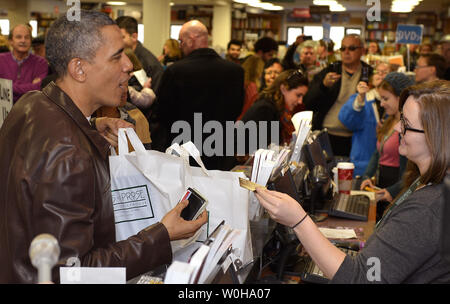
330,79
179,228
108,128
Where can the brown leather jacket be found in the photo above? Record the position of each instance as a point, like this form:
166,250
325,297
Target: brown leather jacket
55,179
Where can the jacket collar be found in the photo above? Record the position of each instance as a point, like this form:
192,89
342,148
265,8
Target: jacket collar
203,52
61,99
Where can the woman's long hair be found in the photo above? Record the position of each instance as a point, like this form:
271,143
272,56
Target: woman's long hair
291,79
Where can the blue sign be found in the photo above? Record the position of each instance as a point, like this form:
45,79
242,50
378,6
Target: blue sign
326,31
409,34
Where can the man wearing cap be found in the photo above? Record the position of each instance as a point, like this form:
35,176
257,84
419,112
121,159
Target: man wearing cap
26,70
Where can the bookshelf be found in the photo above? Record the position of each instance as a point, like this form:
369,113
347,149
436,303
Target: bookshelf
260,24
384,31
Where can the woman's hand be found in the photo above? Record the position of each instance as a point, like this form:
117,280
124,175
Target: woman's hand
281,207
366,183
383,195
362,88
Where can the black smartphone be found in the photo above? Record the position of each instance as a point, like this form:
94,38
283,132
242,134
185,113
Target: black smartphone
197,204
334,67
307,38
365,74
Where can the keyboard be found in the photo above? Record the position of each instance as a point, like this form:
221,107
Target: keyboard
354,207
312,273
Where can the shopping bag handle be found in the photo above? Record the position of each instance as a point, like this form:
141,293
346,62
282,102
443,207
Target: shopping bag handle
134,140
186,150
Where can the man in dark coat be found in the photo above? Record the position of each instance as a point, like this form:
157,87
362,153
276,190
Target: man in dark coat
332,87
200,92
54,165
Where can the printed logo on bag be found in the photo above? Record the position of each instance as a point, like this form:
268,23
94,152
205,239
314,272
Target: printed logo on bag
132,204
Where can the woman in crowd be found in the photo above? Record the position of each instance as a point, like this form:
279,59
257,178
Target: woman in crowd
171,52
252,82
406,242
361,115
272,68
285,93
386,166
139,94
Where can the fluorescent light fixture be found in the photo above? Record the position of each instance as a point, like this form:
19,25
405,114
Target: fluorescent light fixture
116,3
404,6
263,5
334,5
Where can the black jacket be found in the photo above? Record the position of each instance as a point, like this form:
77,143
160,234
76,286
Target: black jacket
152,67
263,110
202,82
319,98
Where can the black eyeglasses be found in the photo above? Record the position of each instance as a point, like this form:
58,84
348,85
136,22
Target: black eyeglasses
406,128
350,48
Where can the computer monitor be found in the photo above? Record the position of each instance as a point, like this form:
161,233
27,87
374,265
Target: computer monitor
324,141
312,155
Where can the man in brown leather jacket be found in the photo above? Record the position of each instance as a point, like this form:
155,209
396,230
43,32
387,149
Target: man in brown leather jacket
54,164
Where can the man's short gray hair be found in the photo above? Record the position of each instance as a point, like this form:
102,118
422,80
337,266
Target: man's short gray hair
357,37
75,39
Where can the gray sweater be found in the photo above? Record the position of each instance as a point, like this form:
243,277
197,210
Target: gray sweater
406,244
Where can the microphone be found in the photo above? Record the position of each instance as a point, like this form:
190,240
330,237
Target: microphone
44,254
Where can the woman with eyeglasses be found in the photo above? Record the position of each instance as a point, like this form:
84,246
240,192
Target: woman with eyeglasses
405,246
282,95
361,115
272,69
386,166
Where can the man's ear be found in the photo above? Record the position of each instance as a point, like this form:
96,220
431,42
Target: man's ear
134,36
75,69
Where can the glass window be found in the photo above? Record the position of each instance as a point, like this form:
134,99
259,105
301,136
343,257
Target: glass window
336,34
292,33
4,25
349,31
175,31
34,26
141,33
315,31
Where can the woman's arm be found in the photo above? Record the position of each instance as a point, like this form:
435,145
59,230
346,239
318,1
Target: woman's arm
285,210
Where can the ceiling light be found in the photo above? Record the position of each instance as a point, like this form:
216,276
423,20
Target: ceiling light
116,3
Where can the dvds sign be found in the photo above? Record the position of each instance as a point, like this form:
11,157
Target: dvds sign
409,34
6,98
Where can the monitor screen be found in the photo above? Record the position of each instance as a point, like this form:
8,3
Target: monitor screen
313,155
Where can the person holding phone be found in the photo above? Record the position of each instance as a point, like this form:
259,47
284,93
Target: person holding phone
361,114
330,90
386,166
405,245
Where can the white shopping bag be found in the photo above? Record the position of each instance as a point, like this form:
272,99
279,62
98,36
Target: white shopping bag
226,199
134,199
